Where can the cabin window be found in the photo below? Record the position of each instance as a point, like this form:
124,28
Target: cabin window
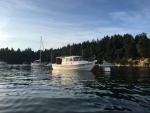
68,59
77,59
59,61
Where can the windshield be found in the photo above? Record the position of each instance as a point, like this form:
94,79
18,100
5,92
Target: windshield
77,58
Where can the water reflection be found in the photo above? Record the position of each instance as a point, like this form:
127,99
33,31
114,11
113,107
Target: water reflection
41,70
67,77
41,75
144,74
131,74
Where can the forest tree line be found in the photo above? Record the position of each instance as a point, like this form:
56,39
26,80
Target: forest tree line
116,48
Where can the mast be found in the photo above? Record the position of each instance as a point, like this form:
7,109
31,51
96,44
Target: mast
70,50
81,50
51,55
40,49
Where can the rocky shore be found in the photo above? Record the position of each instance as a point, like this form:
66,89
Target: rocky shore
143,62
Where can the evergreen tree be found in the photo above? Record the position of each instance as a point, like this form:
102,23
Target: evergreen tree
116,47
143,45
129,46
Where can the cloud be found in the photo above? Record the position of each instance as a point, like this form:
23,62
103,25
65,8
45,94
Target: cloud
126,17
133,21
67,22
22,5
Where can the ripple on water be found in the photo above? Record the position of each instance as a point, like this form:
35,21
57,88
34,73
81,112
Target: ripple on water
42,91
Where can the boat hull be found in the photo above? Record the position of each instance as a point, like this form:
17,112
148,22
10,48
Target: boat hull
87,66
3,64
38,64
49,64
106,65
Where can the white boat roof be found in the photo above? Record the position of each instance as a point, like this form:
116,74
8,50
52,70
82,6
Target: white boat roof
61,57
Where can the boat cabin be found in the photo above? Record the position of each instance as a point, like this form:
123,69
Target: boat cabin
69,59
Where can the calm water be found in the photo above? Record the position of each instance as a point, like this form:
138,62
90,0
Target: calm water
41,90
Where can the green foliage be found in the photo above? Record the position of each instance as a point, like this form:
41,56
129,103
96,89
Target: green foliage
143,45
129,46
116,48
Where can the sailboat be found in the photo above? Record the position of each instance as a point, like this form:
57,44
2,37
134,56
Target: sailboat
39,62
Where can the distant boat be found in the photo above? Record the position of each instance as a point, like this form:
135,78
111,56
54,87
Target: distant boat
38,62
72,63
106,64
25,64
107,69
49,64
3,64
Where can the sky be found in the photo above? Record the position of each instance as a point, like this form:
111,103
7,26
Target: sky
63,22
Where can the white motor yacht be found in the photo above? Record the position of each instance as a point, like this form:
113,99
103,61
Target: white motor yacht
72,63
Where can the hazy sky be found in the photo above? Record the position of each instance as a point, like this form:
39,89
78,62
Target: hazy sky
62,22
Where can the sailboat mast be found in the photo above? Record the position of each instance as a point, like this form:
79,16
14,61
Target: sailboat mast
81,50
70,50
40,48
51,55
